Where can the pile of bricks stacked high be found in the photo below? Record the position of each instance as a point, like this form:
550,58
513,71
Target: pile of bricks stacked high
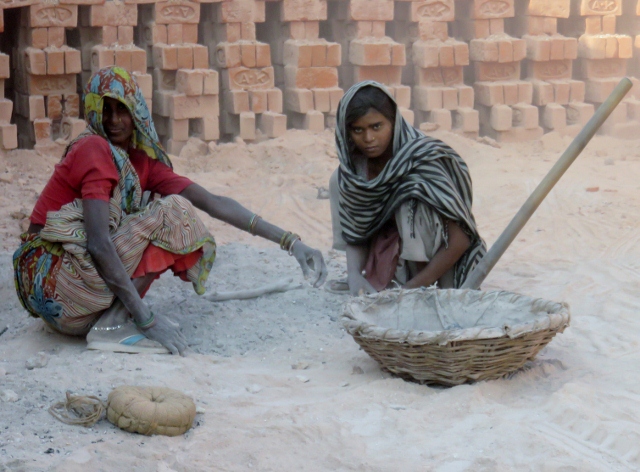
367,53
305,65
249,97
44,79
185,89
8,131
549,65
603,57
440,96
501,97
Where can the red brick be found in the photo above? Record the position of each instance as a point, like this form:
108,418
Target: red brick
72,104
525,92
258,101
247,125
505,51
301,10
334,54
6,108
55,36
446,57
488,93
47,85
248,54
365,52
53,104
525,116
557,49
236,101
237,11
55,61
389,75
402,96
272,124
550,70
189,34
441,11
36,107
241,78
554,117
426,54
600,7
182,107
228,55
467,120
550,8
297,53
538,48
138,60
427,98
335,95
519,49
263,55
8,136
442,118
178,129
578,90
378,29
72,61
496,26
210,82
48,14
112,13
125,35
483,50
165,56
42,129
145,83
248,31
461,54
592,47
501,117
542,92
486,9
510,91
494,71
200,56
319,55
579,113
298,100
123,58
370,10
206,128
174,33
37,37
155,33
309,78
561,91
429,30
609,24
189,82
321,100
177,11
465,96
35,61
274,100
109,35
597,90
449,98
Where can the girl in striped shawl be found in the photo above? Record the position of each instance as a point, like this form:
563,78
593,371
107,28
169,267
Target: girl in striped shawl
95,243
401,201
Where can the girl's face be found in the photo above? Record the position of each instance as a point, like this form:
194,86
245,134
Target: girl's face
117,122
372,133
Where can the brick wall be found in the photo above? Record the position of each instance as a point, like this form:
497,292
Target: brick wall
508,69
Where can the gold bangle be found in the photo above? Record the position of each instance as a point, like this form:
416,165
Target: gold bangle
285,235
254,223
292,244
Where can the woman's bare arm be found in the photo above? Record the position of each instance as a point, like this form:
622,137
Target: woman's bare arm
107,261
230,211
444,259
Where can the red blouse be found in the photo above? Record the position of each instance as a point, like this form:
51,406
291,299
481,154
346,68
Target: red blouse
89,172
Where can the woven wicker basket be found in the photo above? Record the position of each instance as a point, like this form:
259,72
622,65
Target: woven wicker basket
450,337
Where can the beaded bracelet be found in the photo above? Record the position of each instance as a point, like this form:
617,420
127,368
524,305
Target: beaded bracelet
253,222
146,324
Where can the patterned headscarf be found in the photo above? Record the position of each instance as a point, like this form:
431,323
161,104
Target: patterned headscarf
117,83
422,169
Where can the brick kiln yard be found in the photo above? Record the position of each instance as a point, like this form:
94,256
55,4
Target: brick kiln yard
281,384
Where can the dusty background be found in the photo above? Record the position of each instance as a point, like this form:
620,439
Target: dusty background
285,388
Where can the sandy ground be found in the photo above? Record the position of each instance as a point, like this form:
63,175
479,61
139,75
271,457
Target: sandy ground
284,388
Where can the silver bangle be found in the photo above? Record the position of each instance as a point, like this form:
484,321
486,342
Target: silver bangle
291,247
108,328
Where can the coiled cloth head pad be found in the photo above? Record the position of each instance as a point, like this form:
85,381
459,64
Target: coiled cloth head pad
150,410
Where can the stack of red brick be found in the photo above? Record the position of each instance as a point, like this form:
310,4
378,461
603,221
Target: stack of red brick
367,53
185,90
44,90
250,99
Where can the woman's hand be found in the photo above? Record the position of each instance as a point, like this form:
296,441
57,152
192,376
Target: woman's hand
358,285
167,333
311,261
